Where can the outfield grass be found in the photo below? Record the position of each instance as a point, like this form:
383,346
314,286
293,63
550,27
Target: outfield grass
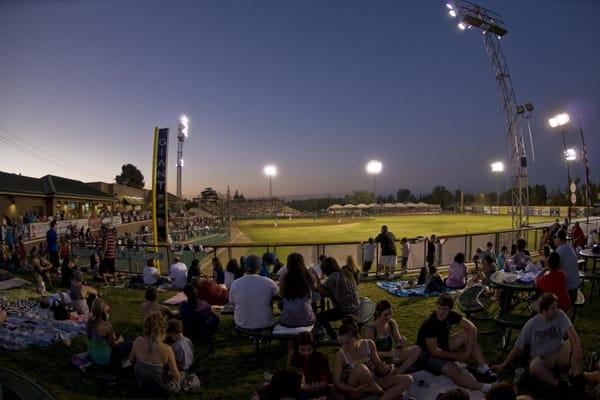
360,229
228,367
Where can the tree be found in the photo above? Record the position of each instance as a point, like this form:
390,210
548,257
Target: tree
404,196
130,176
442,196
359,196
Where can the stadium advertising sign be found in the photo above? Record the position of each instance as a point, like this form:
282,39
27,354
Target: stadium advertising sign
159,186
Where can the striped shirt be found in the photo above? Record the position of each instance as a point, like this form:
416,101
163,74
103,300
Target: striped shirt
110,244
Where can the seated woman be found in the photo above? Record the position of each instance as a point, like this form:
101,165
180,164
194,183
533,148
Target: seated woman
151,357
150,305
199,322
68,269
352,268
553,280
359,370
342,289
434,281
384,332
314,366
194,270
218,271
457,273
232,272
104,347
488,267
296,290
210,291
82,296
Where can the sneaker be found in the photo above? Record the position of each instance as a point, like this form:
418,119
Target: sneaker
487,377
593,366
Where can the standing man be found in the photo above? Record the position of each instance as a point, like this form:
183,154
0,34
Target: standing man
388,251
405,254
108,254
52,245
568,263
431,251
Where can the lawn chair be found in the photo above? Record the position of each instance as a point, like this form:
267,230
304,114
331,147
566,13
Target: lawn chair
366,310
579,302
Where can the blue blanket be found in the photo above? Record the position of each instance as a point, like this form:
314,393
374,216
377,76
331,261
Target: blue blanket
393,287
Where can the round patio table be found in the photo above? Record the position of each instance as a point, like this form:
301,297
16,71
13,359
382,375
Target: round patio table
508,282
587,254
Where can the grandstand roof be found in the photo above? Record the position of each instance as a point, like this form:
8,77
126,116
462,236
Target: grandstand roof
349,205
334,207
362,206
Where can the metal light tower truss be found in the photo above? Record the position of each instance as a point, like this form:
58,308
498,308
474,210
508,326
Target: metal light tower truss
490,23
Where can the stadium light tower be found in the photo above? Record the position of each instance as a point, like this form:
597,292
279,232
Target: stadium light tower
497,169
561,122
374,167
470,15
182,134
270,171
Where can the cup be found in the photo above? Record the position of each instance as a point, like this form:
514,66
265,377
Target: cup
519,375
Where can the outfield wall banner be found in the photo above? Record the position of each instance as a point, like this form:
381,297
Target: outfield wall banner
112,220
160,212
495,210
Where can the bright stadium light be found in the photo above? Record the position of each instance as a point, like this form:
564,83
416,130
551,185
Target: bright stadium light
559,120
270,171
570,154
498,166
452,13
450,6
374,167
184,125
462,26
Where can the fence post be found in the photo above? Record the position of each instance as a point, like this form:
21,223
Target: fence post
229,253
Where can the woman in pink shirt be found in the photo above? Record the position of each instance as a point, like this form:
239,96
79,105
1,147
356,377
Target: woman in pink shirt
457,273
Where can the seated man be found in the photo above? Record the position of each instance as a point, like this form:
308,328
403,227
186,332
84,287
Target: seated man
544,335
252,296
178,274
440,351
152,276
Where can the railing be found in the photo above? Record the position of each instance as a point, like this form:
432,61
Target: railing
132,258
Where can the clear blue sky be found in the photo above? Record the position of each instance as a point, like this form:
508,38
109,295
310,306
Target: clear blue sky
316,87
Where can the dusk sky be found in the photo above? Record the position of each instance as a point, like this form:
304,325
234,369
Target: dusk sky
316,87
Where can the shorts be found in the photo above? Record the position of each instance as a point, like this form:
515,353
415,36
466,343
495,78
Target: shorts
107,266
388,261
559,359
431,363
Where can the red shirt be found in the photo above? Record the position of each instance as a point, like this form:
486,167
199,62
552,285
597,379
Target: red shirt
554,282
213,293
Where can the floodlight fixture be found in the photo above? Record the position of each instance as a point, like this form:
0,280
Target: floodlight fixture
183,126
462,26
449,6
270,170
497,167
559,120
570,154
452,13
529,107
374,167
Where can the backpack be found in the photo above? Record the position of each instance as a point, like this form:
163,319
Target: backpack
59,309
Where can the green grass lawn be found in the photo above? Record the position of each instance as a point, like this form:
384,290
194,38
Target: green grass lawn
228,366
360,229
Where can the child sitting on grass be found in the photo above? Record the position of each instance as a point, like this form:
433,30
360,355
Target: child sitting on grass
182,346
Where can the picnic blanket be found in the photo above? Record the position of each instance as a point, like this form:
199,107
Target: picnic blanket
428,386
176,300
13,283
29,325
395,288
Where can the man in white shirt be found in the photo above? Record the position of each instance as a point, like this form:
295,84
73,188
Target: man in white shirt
252,296
152,276
178,274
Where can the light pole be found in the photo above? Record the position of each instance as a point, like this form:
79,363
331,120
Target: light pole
497,169
270,171
182,134
561,121
374,167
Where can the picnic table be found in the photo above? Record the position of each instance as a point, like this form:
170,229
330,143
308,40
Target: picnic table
511,284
